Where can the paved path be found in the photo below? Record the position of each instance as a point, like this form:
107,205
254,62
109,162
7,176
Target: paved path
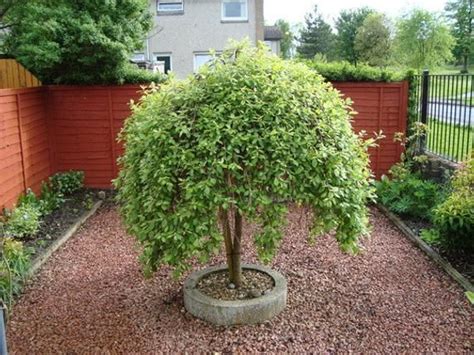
445,111
92,298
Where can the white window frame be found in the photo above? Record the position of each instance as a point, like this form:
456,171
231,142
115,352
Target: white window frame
196,54
163,54
235,19
165,11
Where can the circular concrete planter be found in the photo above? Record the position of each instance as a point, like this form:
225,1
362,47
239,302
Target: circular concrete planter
235,312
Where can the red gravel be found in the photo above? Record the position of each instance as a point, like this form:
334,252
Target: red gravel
91,298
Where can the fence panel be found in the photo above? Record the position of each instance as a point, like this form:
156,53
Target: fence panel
445,105
24,143
380,107
14,76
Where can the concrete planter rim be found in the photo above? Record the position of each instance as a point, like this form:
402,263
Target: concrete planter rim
235,312
193,279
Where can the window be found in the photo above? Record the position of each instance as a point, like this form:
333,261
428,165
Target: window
170,6
234,10
201,59
163,62
138,57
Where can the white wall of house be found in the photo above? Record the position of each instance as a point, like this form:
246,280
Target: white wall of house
188,35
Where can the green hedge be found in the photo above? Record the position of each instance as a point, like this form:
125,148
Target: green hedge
344,71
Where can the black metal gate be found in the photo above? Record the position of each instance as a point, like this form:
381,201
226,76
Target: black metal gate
446,106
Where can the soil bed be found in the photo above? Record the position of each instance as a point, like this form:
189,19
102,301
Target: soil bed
461,260
55,224
91,298
254,284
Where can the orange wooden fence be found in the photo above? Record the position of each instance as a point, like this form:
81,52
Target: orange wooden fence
14,76
49,129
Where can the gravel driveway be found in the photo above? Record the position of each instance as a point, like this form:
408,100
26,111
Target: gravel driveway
91,298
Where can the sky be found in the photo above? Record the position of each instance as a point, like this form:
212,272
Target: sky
295,10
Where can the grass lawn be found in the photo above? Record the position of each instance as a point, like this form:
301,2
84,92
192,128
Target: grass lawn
451,141
451,88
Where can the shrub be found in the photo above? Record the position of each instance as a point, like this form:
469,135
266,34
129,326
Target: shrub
67,183
134,75
24,221
410,195
50,199
247,132
454,218
344,71
29,198
14,265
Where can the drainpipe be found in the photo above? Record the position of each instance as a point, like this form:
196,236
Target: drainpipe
3,338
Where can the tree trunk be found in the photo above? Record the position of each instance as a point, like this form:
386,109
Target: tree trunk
236,266
465,66
224,217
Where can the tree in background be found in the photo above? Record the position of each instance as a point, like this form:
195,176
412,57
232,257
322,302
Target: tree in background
68,41
316,37
347,24
423,40
460,14
286,44
373,42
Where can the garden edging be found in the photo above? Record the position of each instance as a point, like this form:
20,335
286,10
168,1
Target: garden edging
39,261
433,255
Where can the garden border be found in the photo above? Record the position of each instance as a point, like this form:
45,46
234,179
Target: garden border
39,261
432,254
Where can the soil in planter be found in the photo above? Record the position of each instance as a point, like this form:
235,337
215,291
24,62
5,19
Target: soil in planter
55,224
254,284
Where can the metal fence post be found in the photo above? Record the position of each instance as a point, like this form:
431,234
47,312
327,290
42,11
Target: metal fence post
3,338
425,87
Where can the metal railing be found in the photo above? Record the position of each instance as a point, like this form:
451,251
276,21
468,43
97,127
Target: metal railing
446,105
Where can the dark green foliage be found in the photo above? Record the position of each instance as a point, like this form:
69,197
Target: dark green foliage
344,71
247,131
14,265
454,218
460,12
347,24
77,42
134,75
410,195
50,199
67,182
316,37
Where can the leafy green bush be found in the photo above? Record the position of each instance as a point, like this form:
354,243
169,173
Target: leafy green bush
67,182
344,71
454,218
133,75
29,198
410,195
14,265
50,199
247,131
24,221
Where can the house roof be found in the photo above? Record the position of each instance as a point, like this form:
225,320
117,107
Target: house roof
272,33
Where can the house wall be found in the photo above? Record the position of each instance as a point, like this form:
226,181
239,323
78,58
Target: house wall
198,29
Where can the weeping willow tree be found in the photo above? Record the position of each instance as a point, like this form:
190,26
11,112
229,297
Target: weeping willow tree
234,141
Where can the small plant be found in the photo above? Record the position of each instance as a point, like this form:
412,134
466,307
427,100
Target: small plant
24,221
67,183
14,265
50,199
410,195
29,198
454,218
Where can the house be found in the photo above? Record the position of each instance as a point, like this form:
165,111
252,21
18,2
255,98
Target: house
185,31
273,37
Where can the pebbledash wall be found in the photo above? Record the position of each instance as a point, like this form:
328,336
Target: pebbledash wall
58,128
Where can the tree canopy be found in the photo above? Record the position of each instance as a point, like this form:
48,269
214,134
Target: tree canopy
373,42
316,37
286,43
347,25
423,40
460,13
68,41
240,139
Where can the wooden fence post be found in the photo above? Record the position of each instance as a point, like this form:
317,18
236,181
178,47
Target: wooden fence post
20,136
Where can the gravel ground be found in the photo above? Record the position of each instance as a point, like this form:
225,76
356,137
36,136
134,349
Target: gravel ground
91,298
